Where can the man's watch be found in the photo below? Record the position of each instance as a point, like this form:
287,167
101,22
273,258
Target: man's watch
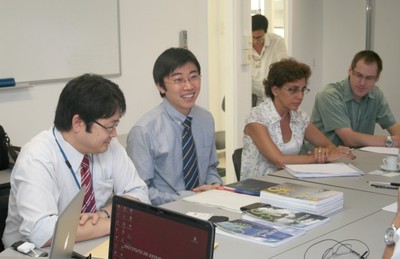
389,141
389,235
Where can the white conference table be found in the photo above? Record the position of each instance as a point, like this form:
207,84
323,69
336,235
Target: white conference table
361,218
369,230
367,162
355,209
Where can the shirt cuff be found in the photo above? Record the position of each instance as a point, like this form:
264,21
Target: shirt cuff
43,230
396,235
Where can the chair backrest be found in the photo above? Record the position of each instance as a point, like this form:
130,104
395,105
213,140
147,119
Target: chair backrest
254,100
237,161
4,194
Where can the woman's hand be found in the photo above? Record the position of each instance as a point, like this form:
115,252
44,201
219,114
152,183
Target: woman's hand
323,155
340,152
320,155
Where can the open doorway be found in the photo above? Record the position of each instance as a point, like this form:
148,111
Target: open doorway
229,72
276,13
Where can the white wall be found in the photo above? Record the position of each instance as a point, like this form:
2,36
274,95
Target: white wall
344,34
324,34
147,27
327,34
305,42
230,22
386,41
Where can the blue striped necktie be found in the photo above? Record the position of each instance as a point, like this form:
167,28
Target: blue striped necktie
89,203
190,168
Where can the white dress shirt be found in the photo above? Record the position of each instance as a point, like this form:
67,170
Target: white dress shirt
273,51
42,184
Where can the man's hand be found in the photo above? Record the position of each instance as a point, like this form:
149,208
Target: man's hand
206,187
93,217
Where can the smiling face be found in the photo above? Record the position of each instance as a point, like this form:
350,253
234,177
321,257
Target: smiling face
182,87
290,95
363,78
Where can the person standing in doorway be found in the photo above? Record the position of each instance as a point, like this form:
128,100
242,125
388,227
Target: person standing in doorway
267,49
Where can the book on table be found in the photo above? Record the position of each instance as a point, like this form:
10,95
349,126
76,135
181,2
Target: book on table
315,200
248,186
323,170
272,216
258,233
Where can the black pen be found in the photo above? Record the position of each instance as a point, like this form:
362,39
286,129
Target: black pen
385,186
384,183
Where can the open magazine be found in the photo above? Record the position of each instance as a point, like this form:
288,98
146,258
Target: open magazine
257,233
272,216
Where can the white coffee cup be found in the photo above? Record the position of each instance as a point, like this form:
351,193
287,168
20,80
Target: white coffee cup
390,162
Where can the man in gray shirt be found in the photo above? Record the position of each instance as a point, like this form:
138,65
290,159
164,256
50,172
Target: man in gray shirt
155,142
347,111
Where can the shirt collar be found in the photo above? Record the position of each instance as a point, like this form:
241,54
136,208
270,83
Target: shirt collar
173,113
348,93
72,155
267,40
277,118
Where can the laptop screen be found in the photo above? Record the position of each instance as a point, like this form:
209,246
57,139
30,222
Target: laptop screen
140,230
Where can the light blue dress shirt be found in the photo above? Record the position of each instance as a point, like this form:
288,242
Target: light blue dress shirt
155,146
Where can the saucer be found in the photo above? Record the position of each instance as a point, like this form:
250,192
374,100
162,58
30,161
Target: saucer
391,170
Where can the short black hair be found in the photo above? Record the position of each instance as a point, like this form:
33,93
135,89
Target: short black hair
170,60
91,97
259,22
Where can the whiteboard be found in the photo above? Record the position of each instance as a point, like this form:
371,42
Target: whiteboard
45,40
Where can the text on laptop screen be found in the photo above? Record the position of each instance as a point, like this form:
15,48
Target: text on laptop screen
139,234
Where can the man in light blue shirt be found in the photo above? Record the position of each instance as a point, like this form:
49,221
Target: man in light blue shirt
155,142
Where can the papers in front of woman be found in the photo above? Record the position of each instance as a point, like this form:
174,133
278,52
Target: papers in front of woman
381,150
323,170
391,207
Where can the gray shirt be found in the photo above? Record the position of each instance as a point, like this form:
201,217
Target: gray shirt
335,108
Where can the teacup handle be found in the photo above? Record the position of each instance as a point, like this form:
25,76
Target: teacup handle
384,161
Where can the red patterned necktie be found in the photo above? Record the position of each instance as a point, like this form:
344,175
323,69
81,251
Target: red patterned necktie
89,203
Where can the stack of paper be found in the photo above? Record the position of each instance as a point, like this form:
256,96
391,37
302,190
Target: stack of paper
303,198
323,170
381,150
223,199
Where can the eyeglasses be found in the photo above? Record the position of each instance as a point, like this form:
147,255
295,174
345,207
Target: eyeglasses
108,129
294,91
181,82
360,76
259,38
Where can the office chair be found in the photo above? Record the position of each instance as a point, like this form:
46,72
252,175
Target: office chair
4,194
237,161
220,135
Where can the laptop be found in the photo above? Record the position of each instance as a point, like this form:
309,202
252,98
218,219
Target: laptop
140,230
63,241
